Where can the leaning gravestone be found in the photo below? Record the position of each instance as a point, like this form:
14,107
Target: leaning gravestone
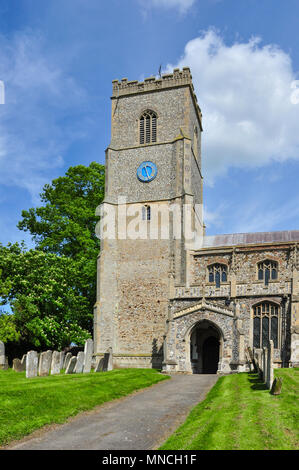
88,352
55,364
31,364
23,361
276,386
71,365
18,366
80,362
67,359
45,363
99,365
105,363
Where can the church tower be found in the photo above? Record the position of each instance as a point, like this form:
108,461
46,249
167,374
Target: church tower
153,165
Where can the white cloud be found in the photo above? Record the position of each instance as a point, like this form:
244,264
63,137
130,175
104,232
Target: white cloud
37,121
181,5
244,91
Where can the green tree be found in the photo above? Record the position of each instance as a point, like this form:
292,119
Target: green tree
45,296
65,223
8,329
52,289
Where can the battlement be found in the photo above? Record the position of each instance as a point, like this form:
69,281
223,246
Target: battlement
170,80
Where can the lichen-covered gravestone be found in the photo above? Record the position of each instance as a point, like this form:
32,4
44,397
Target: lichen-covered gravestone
18,366
55,364
45,363
276,386
31,364
88,352
71,365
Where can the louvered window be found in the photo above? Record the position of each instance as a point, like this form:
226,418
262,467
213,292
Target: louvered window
148,127
146,213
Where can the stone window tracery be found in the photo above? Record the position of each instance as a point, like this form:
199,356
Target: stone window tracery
148,127
217,273
265,324
267,270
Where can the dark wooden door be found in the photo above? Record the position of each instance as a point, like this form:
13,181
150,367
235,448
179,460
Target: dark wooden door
210,352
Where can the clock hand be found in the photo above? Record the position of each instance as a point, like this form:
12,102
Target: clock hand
146,173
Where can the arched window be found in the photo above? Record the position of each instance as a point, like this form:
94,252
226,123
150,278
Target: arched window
218,273
267,270
148,127
265,324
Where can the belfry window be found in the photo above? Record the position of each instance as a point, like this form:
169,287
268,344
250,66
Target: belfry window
218,273
265,324
148,127
267,270
146,213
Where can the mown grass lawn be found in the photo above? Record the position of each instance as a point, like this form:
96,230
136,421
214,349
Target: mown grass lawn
29,404
240,413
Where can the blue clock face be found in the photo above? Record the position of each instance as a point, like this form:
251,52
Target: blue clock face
146,172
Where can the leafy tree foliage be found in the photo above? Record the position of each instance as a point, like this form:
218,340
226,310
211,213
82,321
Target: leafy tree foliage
52,289
8,329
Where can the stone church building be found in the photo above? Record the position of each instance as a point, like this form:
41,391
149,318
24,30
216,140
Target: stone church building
165,301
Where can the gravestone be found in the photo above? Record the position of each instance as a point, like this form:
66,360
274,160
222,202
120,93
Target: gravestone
18,366
99,365
67,359
80,363
44,363
105,363
62,354
270,372
93,362
31,364
55,364
23,361
265,364
71,365
276,386
88,352
3,361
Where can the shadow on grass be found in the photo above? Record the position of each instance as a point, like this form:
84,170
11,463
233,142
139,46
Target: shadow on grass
257,383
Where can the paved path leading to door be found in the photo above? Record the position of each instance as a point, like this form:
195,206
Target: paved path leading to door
141,421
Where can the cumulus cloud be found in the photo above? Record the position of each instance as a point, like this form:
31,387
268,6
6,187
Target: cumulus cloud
39,97
245,93
181,5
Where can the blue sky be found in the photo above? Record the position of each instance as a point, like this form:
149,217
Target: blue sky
58,59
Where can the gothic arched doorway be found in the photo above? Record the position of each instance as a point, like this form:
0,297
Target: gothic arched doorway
205,348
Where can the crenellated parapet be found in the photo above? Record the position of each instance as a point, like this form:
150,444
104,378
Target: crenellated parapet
178,78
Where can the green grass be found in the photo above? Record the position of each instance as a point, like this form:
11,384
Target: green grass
240,413
29,404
